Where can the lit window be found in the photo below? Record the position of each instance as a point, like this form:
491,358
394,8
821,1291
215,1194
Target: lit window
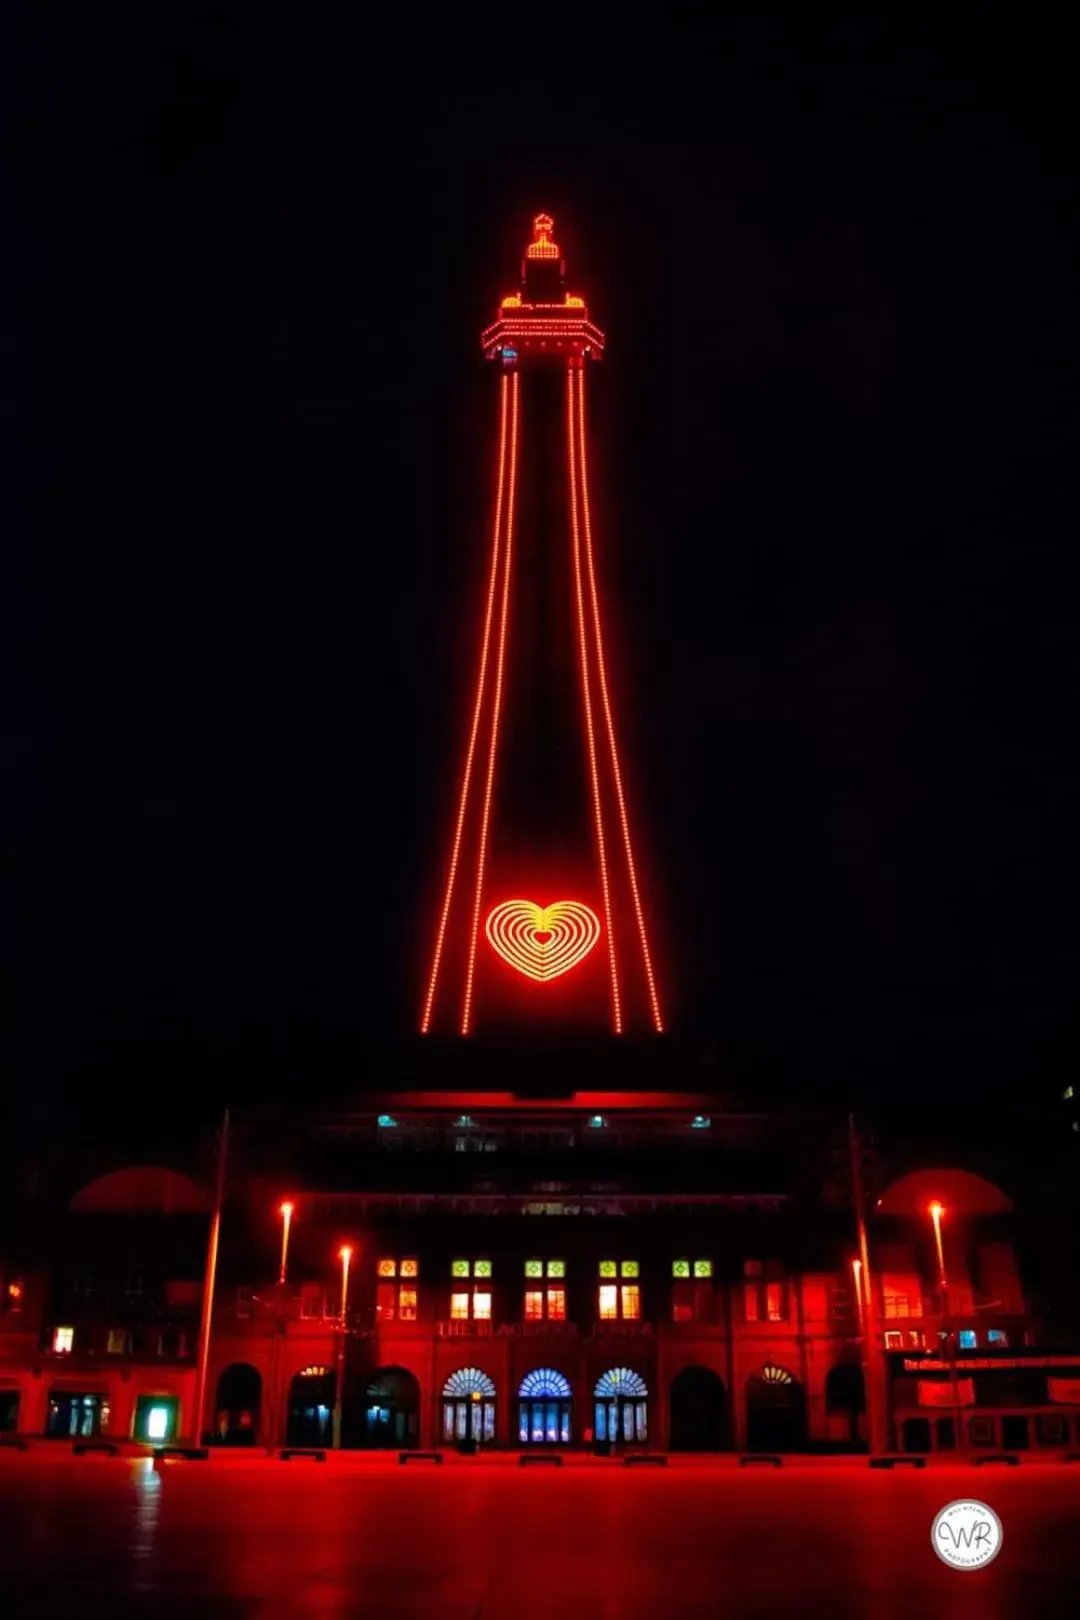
700,1122
481,1268
556,1268
680,1268
631,1302
385,1301
463,1121
15,1295
117,1342
609,1308
608,1268
894,1341
968,1339
534,1268
387,1268
386,1122
534,1305
629,1268
459,1307
407,1305
410,1268
774,1301
481,1307
996,1336
1068,1093
556,1304
157,1423
702,1268
916,1338
459,1268
750,1301
597,1122
63,1340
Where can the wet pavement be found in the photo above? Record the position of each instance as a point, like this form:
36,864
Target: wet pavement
484,1540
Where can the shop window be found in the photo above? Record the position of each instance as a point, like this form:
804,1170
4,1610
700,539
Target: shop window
894,1341
63,1340
968,1338
996,1336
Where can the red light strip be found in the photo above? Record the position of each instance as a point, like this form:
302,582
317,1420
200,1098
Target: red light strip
429,1003
601,852
654,1000
466,1010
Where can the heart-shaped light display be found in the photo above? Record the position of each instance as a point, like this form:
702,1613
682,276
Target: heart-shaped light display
543,942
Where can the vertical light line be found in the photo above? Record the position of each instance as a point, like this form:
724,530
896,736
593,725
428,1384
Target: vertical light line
586,694
425,1022
466,1011
654,1000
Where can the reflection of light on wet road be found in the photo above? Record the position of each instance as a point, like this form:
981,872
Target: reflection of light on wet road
147,1516
237,1538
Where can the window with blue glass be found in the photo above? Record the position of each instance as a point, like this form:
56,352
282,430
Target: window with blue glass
967,1338
544,1408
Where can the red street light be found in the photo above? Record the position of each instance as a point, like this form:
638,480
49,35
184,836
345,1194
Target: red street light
345,1254
856,1272
286,1212
936,1211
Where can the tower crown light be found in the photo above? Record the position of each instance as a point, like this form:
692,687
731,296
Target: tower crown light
543,321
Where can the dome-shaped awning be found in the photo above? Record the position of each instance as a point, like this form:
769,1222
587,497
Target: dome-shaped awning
960,1193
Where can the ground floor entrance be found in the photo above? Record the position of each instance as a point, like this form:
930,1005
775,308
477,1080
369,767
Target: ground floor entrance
77,1414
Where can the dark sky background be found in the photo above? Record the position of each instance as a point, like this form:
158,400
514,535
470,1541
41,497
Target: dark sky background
248,440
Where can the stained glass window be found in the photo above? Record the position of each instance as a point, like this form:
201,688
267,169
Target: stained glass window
468,1381
702,1268
629,1268
545,1381
459,1268
481,1268
621,1381
631,1302
410,1268
556,1268
608,1268
387,1268
534,1268
680,1268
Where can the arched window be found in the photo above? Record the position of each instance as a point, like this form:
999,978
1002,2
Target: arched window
621,1406
771,1374
544,1408
469,1406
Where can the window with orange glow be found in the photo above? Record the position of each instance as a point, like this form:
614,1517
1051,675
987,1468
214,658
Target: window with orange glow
63,1340
459,1307
556,1304
410,1268
481,1307
534,1305
387,1268
608,1302
631,1302
776,1301
407,1305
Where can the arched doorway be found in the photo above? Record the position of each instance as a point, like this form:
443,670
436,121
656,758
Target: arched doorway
621,1407
775,1411
236,1410
468,1399
845,1401
698,1411
311,1406
544,1408
392,1410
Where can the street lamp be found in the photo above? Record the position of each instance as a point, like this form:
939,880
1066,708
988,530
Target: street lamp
856,1272
936,1211
286,1212
345,1254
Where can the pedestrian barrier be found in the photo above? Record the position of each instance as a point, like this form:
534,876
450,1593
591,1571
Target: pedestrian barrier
646,1458
190,1453
82,1447
898,1462
539,1460
420,1456
316,1453
760,1457
997,1457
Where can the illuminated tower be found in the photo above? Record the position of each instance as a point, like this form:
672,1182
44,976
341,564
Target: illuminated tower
542,915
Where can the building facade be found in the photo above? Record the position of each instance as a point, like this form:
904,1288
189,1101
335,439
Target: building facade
609,1270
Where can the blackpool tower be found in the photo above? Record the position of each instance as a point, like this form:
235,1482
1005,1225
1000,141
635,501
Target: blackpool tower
541,921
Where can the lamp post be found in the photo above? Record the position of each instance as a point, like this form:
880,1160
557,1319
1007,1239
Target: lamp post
936,1212
345,1256
286,1212
873,1371
856,1272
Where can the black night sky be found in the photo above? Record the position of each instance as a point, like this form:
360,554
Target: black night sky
248,446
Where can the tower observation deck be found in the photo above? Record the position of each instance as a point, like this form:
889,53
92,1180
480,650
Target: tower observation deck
541,920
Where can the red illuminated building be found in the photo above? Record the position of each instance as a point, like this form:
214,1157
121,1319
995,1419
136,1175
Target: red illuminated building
542,914
584,1244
